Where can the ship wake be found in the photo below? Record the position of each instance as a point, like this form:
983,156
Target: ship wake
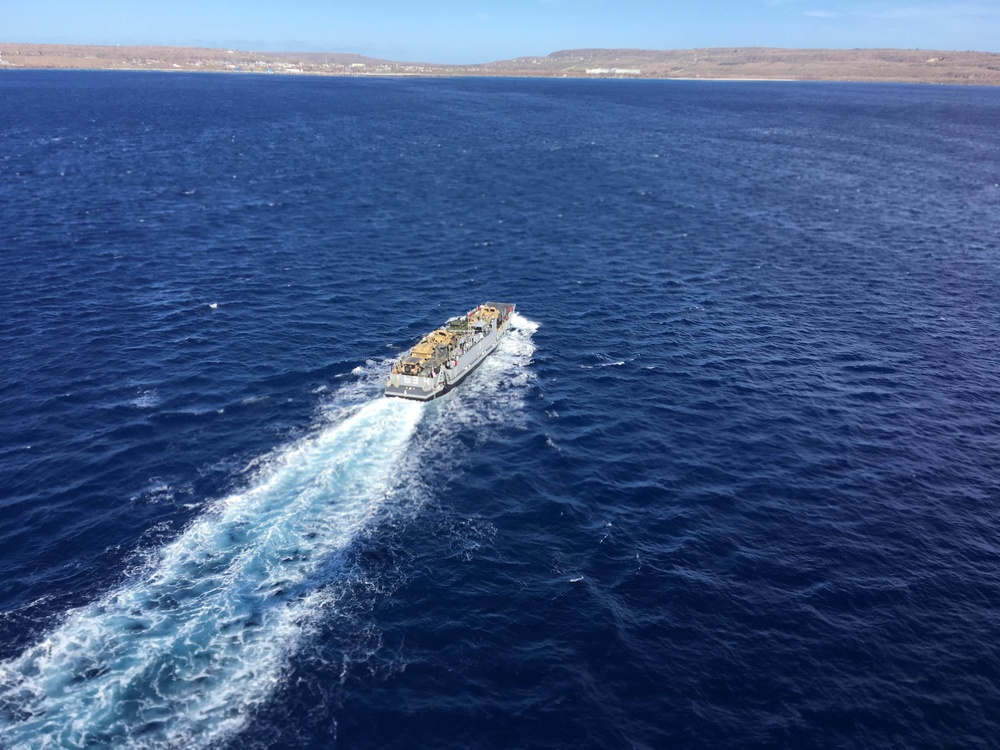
184,652
183,655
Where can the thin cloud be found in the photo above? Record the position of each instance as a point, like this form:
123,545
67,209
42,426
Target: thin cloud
906,12
822,14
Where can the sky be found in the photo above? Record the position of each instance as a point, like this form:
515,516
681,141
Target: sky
485,30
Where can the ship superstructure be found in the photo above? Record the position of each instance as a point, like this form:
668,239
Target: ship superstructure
446,356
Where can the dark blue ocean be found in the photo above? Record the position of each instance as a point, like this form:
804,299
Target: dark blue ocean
732,482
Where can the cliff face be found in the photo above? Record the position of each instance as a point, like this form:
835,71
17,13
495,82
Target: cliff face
916,66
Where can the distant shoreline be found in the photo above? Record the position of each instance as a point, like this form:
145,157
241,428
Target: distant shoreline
718,64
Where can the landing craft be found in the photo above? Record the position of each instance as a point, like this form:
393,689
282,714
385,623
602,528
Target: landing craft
444,357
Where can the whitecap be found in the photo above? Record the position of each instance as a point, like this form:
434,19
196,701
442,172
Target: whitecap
146,399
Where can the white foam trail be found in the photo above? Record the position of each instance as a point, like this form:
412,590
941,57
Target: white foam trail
494,394
183,654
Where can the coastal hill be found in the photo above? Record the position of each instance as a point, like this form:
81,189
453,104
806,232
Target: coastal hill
890,65
917,66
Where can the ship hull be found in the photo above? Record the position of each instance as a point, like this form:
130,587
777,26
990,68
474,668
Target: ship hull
420,388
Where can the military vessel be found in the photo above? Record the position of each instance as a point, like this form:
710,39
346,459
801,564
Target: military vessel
446,356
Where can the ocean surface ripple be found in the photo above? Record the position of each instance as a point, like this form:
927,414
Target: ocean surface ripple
730,483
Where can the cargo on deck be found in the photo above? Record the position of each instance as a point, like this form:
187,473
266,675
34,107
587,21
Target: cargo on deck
446,356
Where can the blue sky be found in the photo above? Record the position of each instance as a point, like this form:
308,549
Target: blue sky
485,30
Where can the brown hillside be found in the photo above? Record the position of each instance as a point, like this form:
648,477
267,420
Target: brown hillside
913,66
